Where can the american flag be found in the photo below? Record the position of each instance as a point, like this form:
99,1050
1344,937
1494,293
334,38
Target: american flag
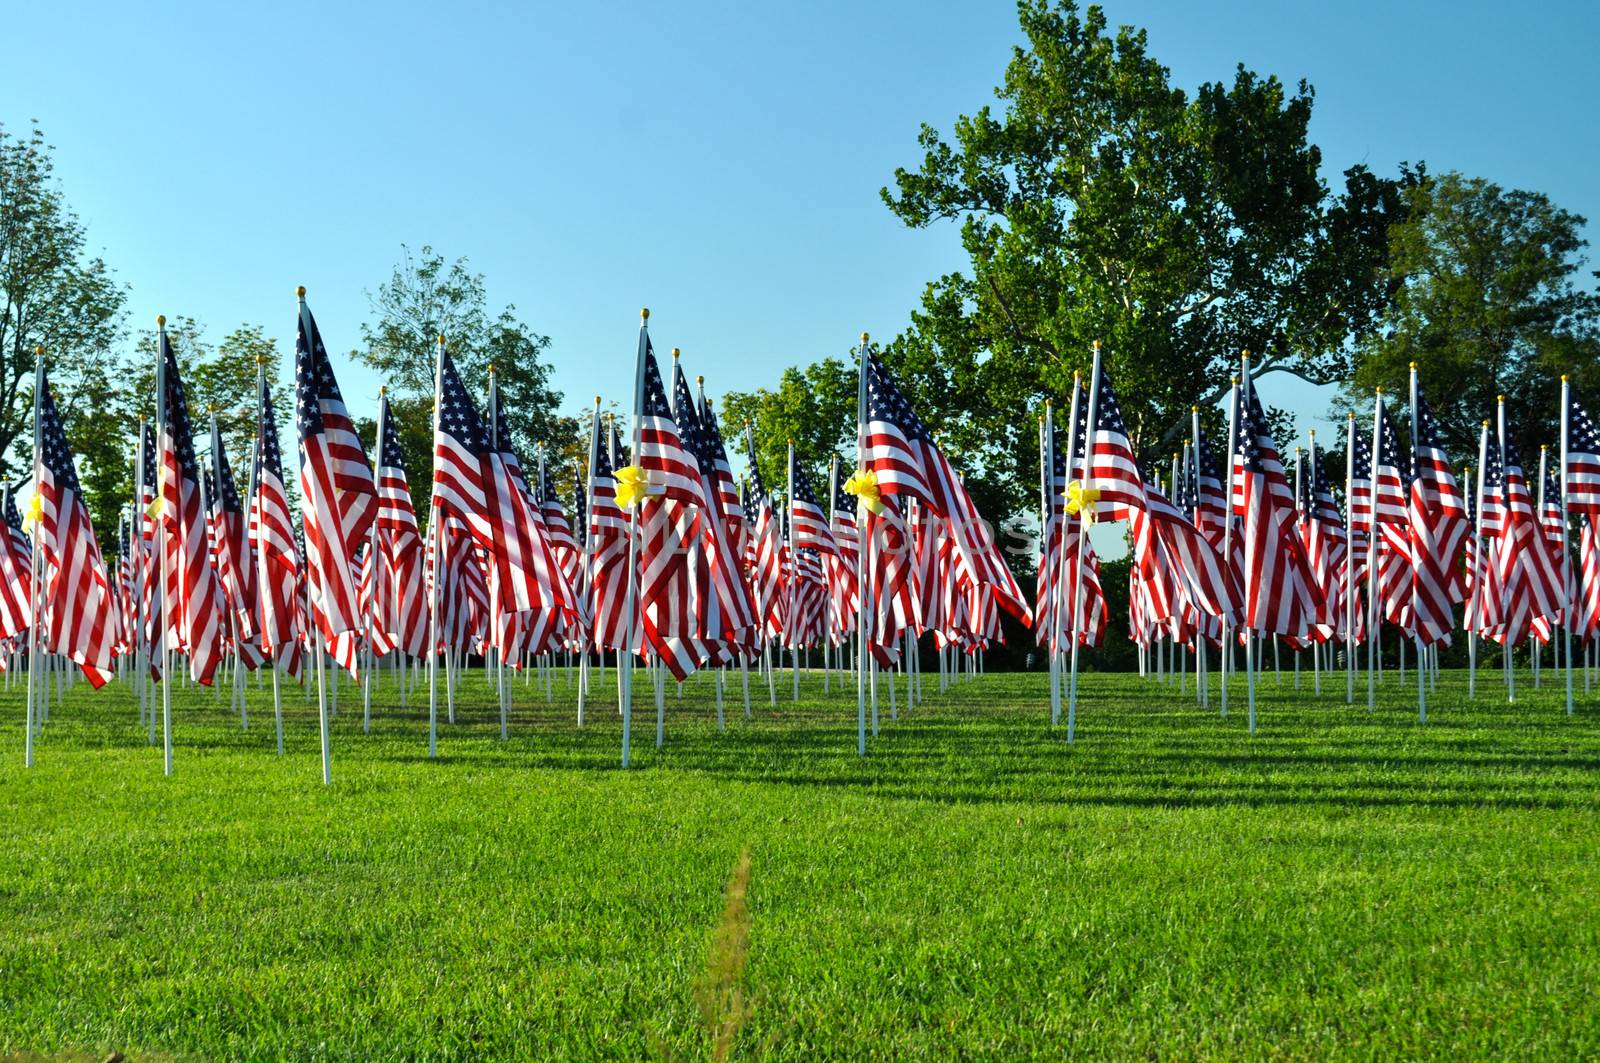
1280,592
16,576
1583,461
558,532
146,565
1485,602
1530,587
1391,485
842,566
1437,527
338,498
806,518
525,577
190,582
1586,624
1112,469
606,546
77,602
1551,523
273,542
667,526
1197,570
235,567
902,454
1324,535
763,554
730,608
888,571
400,604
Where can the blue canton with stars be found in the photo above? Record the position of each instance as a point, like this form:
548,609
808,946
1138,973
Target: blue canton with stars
458,417
53,449
886,403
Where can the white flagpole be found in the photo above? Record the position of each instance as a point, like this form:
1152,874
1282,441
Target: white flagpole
1349,562
438,573
372,553
1046,430
315,636
1566,547
587,552
1249,640
261,574
36,687
1227,536
1480,583
861,557
1374,616
1085,515
497,676
630,598
1316,657
1422,656
141,621
1500,414
1058,598
161,551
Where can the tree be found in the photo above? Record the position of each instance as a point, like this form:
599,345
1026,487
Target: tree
1487,303
1103,203
814,405
426,297
57,296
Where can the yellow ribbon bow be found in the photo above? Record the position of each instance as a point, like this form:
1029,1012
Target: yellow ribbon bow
864,485
35,512
1081,500
633,484
153,510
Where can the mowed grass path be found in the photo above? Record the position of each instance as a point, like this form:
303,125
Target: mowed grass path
1343,885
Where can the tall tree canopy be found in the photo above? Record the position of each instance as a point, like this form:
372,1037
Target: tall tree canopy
1488,302
428,296
1102,202
55,295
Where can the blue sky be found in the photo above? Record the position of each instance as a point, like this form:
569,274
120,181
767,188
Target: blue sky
718,163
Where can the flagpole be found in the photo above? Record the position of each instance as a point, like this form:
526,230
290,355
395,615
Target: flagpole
861,556
1566,547
141,621
1058,602
497,674
1374,617
161,549
1500,415
315,636
1046,473
1249,640
1227,539
1349,561
35,593
629,603
1480,583
1201,678
255,459
1085,516
588,549
434,533
1422,679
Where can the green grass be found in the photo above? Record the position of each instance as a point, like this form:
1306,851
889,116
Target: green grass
1343,885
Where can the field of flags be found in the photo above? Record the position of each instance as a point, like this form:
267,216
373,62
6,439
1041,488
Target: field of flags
663,561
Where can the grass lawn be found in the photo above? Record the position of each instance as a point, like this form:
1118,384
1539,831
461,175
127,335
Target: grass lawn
1344,885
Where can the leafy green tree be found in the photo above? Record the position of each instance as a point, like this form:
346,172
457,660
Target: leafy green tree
425,297
813,405
1488,302
56,295
1101,202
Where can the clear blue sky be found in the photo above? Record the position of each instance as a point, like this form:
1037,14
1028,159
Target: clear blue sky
718,163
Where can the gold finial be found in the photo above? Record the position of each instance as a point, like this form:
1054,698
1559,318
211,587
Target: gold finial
1076,376
38,350
211,407
161,321
383,389
1194,409
1312,432
1544,446
1097,345
700,380
1174,455
1186,442
441,339
865,337
1486,422
491,369
261,359
1413,365
644,313
674,354
1352,416
1235,381
1563,378
1499,398
597,400
1244,355
300,292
